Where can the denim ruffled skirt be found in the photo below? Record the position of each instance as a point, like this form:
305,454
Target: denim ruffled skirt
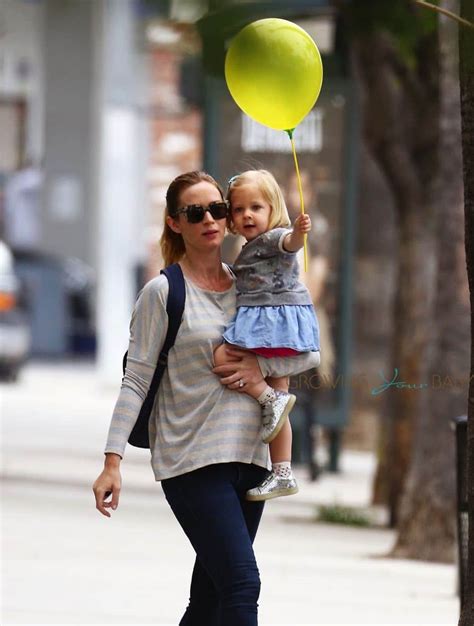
292,326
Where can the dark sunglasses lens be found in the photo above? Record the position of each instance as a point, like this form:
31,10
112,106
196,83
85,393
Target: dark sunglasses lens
218,210
195,214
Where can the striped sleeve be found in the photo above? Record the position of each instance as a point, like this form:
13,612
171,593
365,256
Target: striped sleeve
148,327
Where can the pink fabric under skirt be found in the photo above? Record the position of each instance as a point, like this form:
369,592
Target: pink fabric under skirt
271,352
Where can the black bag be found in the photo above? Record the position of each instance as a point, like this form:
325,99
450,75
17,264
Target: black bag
174,309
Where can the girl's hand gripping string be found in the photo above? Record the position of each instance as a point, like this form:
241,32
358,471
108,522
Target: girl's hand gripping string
302,223
294,241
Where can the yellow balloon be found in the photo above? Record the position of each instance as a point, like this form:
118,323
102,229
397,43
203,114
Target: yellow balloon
274,72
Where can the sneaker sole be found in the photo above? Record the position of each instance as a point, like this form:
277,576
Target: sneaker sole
270,496
281,421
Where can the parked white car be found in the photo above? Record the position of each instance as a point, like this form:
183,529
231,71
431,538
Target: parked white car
14,328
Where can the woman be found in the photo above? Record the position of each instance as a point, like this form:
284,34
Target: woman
204,437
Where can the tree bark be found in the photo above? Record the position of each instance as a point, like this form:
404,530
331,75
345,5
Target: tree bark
413,309
466,56
400,123
427,521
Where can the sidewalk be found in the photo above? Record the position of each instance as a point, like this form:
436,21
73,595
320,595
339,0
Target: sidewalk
67,564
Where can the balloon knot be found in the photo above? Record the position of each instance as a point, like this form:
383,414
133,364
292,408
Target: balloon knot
289,132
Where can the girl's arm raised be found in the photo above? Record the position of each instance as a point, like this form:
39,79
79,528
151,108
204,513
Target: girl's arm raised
294,241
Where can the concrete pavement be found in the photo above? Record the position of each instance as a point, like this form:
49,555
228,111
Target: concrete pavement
64,563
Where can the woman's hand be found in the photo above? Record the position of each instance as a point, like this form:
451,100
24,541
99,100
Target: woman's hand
243,365
108,482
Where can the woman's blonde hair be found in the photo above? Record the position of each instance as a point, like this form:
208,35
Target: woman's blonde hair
171,243
270,190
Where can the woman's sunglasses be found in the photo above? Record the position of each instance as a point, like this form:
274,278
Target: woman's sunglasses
195,212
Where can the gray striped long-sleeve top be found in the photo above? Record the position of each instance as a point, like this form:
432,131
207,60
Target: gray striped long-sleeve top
195,421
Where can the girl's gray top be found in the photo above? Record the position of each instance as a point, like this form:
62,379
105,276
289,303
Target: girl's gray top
267,274
195,421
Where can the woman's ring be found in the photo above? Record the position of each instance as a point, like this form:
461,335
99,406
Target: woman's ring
241,383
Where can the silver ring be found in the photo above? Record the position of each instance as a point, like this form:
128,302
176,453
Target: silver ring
241,383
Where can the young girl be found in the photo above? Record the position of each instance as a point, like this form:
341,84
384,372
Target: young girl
275,314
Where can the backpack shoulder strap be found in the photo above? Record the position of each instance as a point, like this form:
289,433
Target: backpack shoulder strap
231,269
174,309
174,305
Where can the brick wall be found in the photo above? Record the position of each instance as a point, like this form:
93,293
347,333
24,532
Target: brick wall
176,138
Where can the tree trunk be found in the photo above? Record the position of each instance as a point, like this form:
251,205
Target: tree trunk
382,480
427,522
401,130
466,56
413,309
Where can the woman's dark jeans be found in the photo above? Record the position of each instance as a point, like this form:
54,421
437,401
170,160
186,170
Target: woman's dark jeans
210,505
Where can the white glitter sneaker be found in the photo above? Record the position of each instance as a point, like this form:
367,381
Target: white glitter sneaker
275,413
272,486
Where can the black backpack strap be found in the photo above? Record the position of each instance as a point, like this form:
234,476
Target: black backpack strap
174,309
231,269
174,306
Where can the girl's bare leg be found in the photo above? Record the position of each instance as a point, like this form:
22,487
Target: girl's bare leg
282,384
280,447
281,481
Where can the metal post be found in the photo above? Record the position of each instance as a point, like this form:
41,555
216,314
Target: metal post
462,515
117,183
334,449
311,439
